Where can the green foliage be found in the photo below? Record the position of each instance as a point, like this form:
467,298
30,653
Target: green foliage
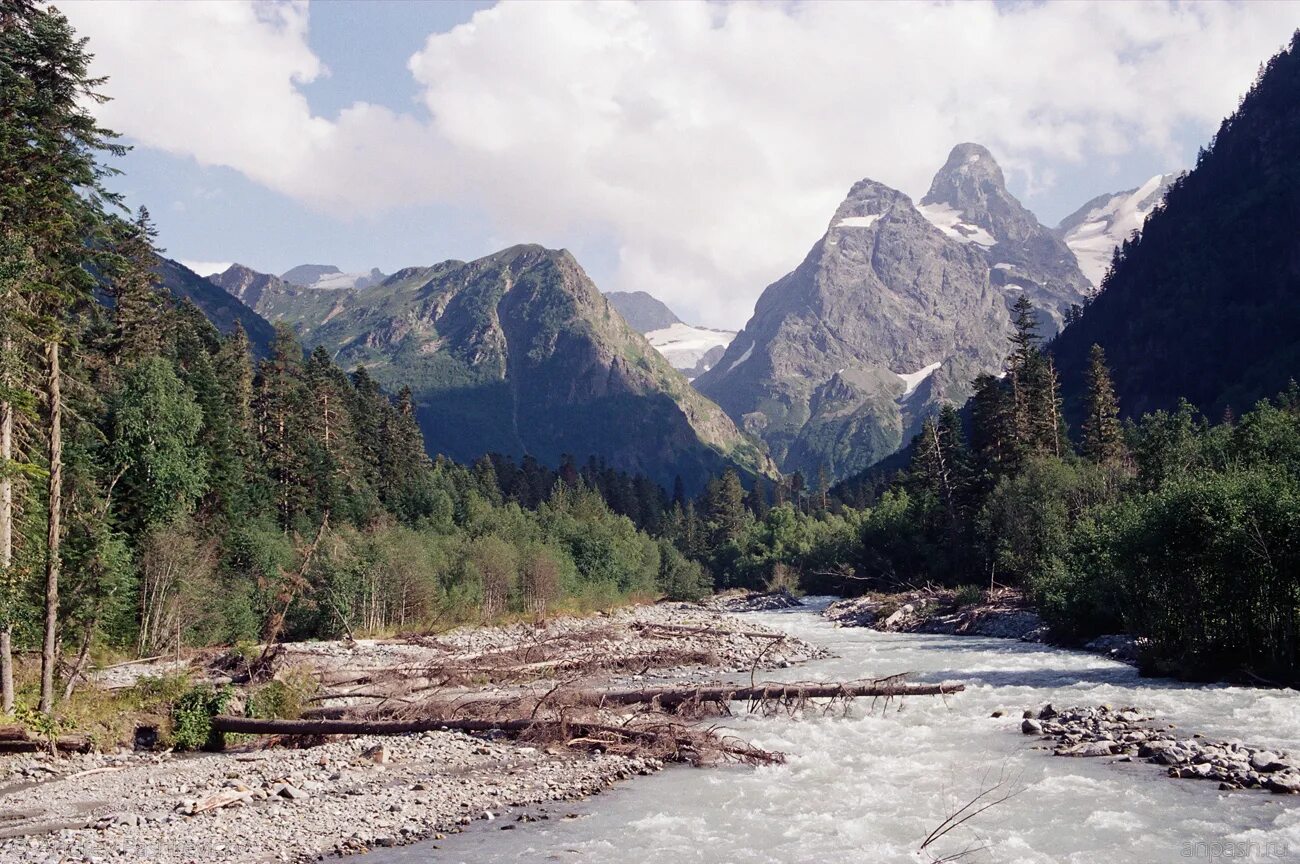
281,698
192,715
968,595
153,426
47,727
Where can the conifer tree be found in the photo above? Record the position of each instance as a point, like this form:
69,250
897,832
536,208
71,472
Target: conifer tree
279,408
992,427
1103,440
756,500
136,329
52,196
726,514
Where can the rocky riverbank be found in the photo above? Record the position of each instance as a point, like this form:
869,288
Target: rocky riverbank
1131,734
1001,614
344,796
283,805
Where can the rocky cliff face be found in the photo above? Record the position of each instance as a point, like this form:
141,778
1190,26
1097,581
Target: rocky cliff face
969,201
519,353
897,308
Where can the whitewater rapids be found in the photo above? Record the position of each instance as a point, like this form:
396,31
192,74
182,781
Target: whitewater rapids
871,786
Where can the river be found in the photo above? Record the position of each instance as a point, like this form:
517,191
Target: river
871,786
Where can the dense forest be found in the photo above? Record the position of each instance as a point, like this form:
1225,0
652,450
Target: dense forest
1177,530
160,487
165,485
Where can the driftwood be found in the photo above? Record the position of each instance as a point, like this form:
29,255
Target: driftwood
706,631
217,800
667,699
16,739
669,740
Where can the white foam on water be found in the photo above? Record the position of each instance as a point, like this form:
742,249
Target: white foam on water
869,787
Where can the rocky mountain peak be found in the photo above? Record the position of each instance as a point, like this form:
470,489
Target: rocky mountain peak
246,284
866,202
970,175
971,187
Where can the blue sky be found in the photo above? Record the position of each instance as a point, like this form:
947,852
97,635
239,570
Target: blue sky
692,150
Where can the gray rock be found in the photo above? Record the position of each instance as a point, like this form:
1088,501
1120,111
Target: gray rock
1266,762
891,289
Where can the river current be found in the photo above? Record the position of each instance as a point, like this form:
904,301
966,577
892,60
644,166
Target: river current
870,786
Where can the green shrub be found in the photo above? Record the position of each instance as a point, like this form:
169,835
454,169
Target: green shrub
281,699
968,595
192,717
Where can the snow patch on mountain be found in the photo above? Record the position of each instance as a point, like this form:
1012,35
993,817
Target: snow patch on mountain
912,380
950,222
857,221
742,358
1096,229
689,348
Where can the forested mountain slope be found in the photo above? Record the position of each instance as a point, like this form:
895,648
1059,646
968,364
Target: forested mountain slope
222,309
1205,304
518,353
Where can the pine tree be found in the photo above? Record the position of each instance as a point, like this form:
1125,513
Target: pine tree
756,500
485,478
1103,440
279,407
725,508
52,197
228,429
993,427
137,306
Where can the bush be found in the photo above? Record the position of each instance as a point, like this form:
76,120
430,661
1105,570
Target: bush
968,595
192,717
281,699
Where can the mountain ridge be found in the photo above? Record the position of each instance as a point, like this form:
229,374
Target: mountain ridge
519,353
1201,304
893,311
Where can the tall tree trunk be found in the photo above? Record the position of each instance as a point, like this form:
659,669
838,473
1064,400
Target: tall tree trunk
49,648
6,544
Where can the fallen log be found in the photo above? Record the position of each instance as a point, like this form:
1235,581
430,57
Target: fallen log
683,744
706,631
16,739
672,699
669,698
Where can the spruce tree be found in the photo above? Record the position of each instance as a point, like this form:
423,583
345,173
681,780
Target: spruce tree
992,427
280,407
1103,440
756,500
726,513
137,306
52,196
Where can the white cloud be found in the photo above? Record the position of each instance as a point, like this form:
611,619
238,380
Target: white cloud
711,141
206,268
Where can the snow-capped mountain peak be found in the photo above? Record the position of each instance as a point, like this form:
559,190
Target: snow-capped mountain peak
1094,230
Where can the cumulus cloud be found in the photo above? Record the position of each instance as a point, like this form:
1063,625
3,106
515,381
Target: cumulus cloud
710,141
